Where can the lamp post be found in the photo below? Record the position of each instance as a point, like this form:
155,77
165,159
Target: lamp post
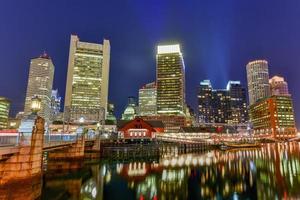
25,129
35,105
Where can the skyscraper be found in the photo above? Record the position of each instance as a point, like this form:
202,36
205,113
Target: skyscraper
278,86
55,104
238,102
205,110
147,99
258,80
170,76
87,80
40,82
222,105
4,112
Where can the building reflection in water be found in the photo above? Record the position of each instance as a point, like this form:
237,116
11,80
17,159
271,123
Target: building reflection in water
270,172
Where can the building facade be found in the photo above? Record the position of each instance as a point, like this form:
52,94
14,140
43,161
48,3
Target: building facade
170,76
258,80
147,99
172,123
139,129
131,110
278,86
4,112
238,103
40,81
87,80
55,104
274,115
222,105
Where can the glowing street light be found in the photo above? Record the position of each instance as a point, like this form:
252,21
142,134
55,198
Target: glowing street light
36,104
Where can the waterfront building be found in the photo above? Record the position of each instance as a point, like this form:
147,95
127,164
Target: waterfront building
4,112
170,76
87,80
40,81
172,123
139,129
274,115
55,105
147,99
258,80
131,110
222,105
278,86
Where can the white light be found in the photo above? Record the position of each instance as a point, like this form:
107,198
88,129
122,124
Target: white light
168,49
81,120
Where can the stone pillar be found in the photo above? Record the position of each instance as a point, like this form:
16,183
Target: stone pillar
27,163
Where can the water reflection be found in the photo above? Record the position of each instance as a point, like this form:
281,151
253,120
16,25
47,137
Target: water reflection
271,172
24,190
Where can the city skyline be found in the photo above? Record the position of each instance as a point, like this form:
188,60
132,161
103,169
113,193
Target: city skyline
218,74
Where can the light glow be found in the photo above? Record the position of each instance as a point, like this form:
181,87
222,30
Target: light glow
162,49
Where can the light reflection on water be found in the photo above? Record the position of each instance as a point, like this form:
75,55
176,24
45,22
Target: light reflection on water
270,172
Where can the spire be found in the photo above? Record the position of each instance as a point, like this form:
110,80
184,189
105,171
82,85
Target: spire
45,55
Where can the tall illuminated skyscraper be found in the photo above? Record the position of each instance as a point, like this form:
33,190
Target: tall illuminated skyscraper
40,83
147,99
170,76
258,80
278,86
87,80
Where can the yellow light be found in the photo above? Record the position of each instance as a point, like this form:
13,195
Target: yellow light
35,104
162,49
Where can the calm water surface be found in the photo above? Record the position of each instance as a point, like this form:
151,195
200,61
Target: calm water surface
270,172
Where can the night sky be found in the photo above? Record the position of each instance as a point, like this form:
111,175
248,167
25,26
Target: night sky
218,38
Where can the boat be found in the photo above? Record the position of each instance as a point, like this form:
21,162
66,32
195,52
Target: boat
227,145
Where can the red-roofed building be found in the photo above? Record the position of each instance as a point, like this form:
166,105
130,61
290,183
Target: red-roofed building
139,129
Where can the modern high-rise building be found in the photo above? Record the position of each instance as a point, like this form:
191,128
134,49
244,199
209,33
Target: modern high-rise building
238,102
87,80
40,81
258,80
147,99
170,76
278,86
222,105
4,112
274,115
55,104
205,111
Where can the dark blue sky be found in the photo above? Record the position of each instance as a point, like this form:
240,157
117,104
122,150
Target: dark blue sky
218,38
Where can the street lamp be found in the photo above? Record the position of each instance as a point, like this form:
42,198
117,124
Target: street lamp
35,104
